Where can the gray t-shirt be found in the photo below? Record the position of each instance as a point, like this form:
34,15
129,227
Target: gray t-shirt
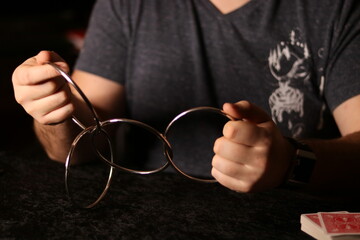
298,60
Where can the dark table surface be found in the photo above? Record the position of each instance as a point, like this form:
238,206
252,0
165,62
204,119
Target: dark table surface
33,205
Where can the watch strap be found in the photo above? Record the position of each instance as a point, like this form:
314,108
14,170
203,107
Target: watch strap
303,162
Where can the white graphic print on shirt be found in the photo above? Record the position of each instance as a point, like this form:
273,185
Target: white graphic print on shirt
288,64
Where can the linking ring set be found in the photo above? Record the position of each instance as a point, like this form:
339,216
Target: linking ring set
98,128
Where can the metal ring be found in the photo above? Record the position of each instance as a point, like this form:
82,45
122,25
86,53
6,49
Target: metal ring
98,128
92,130
167,146
170,157
82,94
68,164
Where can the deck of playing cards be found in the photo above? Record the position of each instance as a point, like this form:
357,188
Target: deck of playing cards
331,225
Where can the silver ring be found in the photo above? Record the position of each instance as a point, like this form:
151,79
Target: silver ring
98,128
196,109
67,170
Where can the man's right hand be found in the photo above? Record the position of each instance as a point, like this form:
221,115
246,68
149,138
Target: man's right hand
40,89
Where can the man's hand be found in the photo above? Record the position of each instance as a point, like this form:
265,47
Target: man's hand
40,89
252,155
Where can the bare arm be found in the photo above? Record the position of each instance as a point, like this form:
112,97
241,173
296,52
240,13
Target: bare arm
51,102
107,99
252,155
338,160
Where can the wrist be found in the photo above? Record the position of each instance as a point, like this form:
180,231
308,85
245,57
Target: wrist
302,163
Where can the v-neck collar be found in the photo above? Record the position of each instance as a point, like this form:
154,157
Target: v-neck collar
235,12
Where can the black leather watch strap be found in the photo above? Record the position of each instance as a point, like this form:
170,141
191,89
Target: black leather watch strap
303,163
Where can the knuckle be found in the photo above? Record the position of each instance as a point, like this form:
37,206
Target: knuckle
23,77
224,167
230,129
44,120
231,171
242,186
70,109
53,86
62,98
19,98
215,161
31,110
66,112
50,72
17,73
247,188
260,162
262,165
218,144
53,118
15,77
266,138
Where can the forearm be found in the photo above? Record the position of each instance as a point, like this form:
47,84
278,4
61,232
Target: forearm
338,163
56,139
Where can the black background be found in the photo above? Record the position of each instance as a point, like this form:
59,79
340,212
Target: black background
28,27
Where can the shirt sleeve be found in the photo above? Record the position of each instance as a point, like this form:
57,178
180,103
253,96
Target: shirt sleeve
106,40
342,76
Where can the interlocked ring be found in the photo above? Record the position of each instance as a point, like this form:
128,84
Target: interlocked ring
98,129
178,117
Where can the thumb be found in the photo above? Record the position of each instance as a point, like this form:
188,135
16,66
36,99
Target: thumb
246,110
49,56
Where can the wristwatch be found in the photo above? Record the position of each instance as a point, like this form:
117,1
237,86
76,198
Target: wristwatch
303,162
